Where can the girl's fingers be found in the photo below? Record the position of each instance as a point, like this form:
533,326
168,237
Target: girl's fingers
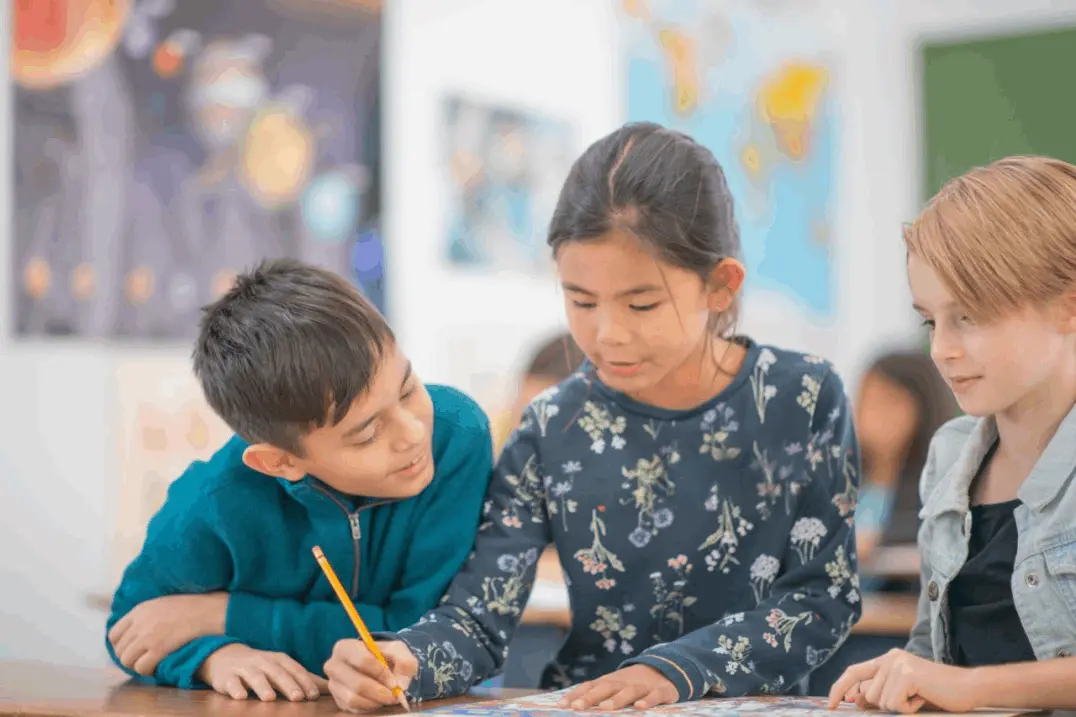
599,691
347,700
345,677
626,695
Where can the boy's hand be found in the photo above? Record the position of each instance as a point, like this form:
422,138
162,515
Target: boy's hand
157,628
640,686
358,682
233,669
899,681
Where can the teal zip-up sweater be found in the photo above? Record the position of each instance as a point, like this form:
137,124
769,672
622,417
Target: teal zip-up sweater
225,527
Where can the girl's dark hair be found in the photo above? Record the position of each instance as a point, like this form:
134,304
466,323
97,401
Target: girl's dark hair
914,371
662,187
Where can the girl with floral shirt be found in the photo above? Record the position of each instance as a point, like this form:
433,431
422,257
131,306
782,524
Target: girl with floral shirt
699,487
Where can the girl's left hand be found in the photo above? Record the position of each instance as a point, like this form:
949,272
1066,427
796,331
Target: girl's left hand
899,681
638,685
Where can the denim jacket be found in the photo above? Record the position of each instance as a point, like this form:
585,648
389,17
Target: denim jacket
1044,571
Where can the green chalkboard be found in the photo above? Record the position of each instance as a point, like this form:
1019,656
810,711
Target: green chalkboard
994,97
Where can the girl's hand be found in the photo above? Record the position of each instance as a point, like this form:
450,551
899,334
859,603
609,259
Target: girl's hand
902,682
638,685
359,683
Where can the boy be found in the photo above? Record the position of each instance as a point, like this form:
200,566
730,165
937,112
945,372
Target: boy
337,444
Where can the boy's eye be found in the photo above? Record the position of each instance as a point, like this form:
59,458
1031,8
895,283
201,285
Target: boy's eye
645,307
368,440
583,304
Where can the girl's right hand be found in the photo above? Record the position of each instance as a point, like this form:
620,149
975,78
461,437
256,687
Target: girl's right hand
359,683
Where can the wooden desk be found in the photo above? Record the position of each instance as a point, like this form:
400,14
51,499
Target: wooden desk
40,690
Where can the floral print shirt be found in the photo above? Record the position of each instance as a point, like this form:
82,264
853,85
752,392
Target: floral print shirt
715,545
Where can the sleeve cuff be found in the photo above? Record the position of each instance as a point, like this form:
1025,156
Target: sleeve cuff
250,620
682,673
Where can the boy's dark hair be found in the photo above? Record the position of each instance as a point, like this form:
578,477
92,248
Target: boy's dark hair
556,358
662,187
288,349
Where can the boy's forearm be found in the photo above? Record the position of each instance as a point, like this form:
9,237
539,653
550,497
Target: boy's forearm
306,632
1045,684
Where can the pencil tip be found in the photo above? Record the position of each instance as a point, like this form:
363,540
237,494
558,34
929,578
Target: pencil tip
403,701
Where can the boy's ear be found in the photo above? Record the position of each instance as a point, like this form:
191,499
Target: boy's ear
725,280
273,461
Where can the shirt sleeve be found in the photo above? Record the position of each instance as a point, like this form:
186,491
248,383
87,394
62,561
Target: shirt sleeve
813,600
198,563
465,639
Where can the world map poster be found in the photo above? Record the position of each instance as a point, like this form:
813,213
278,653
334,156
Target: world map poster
753,85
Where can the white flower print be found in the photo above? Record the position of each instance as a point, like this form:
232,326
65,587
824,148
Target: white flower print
597,558
529,495
598,420
670,600
611,625
763,572
543,411
784,624
501,594
739,654
769,490
652,486
806,536
714,440
559,502
731,526
840,574
762,392
808,398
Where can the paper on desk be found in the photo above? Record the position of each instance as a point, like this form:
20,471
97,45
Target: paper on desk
544,705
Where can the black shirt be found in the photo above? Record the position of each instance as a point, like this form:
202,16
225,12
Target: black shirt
985,628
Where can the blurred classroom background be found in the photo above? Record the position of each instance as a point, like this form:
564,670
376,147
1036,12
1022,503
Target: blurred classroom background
417,146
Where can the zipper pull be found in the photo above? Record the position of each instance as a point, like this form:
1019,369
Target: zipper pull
356,530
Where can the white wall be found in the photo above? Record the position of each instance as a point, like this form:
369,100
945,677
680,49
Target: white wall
556,58
58,446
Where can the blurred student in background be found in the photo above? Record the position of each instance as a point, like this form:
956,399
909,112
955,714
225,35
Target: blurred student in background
902,401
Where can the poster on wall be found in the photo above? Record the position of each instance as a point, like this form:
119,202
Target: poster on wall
751,82
162,146
502,171
164,425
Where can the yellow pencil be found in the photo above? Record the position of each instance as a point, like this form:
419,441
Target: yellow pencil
367,638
